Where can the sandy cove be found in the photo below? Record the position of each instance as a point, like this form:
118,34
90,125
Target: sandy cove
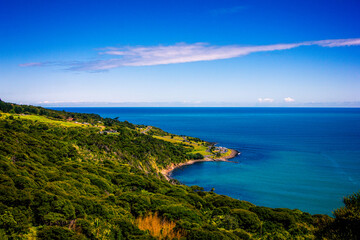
167,171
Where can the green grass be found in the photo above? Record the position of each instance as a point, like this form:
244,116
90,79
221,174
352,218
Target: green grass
43,119
227,153
197,147
175,139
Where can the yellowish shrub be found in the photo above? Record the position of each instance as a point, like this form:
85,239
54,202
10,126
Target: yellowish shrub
158,227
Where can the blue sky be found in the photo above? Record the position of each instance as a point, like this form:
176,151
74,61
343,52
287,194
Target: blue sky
180,53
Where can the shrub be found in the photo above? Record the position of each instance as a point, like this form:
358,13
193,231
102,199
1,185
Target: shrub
178,211
128,230
247,220
346,223
158,227
55,233
84,226
242,234
280,216
206,234
222,201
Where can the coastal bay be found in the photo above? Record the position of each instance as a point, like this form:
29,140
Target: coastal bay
304,158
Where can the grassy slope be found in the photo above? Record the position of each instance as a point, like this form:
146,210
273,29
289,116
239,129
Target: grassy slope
59,178
43,119
196,147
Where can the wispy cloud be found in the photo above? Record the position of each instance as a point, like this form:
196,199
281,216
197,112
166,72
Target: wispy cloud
230,10
289,99
31,64
265,100
338,42
113,57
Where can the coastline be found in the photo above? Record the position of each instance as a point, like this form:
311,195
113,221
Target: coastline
166,172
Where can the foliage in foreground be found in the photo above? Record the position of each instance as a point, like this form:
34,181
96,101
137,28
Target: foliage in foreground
346,224
63,182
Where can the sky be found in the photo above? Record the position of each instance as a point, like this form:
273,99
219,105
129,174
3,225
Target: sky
244,53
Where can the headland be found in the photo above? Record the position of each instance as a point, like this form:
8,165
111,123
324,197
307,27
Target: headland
167,171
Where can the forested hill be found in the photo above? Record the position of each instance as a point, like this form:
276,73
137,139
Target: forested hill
79,176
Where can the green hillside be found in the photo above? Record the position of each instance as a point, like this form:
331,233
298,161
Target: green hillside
79,176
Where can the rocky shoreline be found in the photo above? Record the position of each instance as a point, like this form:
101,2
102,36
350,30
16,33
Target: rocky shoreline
167,171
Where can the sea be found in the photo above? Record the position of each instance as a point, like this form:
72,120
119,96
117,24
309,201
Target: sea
297,158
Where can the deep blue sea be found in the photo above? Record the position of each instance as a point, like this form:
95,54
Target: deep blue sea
304,158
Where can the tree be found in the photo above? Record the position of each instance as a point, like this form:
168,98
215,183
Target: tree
347,221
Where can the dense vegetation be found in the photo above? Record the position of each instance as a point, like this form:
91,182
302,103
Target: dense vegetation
61,180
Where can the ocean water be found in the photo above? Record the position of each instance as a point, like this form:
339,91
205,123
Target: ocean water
298,158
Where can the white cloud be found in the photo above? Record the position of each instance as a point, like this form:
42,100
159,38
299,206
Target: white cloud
289,99
338,42
181,53
265,100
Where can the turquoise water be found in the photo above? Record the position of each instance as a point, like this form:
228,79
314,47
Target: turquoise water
304,158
